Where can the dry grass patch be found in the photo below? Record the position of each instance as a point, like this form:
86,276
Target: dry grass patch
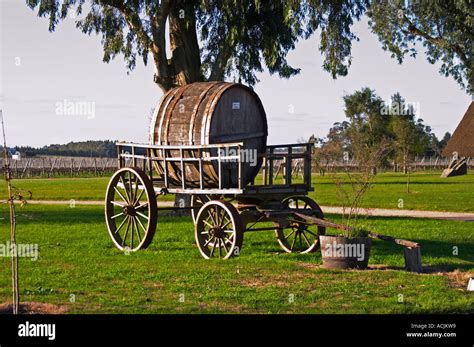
33,308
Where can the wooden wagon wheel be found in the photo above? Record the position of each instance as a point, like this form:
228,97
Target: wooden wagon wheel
296,235
198,200
130,209
219,230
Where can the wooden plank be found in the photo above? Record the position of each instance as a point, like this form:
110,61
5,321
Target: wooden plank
270,167
328,224
236,137
288,161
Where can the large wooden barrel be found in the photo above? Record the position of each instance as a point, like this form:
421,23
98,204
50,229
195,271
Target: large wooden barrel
209,113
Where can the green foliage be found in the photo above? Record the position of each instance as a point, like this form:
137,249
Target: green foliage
91,148
236,37
410,135
357,231
374,124
368,125
444,27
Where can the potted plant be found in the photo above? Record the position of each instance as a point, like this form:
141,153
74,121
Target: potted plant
348,251
351,249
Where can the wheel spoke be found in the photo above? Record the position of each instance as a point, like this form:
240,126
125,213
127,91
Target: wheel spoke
212,217
218,214
209,240
120,226
116,203
130,186
306,239
126,231
125,189
213,248
142,206
206,222
138,230
220,248
135,193
229,238
288,236
226,224
308,231
117,215
137,200
140,223
131,233
123,198
142,215
294,241
225,247
223,218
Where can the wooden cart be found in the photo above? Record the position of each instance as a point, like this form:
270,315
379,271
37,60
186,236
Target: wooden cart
222,209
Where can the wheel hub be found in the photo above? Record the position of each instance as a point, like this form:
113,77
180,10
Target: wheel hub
129,210
217,232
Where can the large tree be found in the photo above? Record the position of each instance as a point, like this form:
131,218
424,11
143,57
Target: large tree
410,135
215,39
212,39
368,126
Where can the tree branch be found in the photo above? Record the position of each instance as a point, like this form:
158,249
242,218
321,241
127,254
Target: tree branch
219,65
438,41
132,19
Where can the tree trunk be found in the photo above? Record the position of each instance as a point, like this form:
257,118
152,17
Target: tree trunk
405,164
184,66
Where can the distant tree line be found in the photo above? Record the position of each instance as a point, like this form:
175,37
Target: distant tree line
372,124
96,148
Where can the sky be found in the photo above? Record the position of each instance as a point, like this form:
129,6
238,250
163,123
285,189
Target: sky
54,87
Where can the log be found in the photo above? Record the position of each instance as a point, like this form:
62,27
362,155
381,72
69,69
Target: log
401,242
327,224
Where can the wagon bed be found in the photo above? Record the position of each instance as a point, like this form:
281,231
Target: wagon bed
144,156
224,207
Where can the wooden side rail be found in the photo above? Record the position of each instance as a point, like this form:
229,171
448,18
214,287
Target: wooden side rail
288,153
182,156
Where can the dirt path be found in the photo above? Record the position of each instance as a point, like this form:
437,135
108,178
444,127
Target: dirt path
378,212
382,212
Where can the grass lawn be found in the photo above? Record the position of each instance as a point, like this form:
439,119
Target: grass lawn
428,191
77,257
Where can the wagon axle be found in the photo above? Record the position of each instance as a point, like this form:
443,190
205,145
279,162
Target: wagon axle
129,210
217,232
